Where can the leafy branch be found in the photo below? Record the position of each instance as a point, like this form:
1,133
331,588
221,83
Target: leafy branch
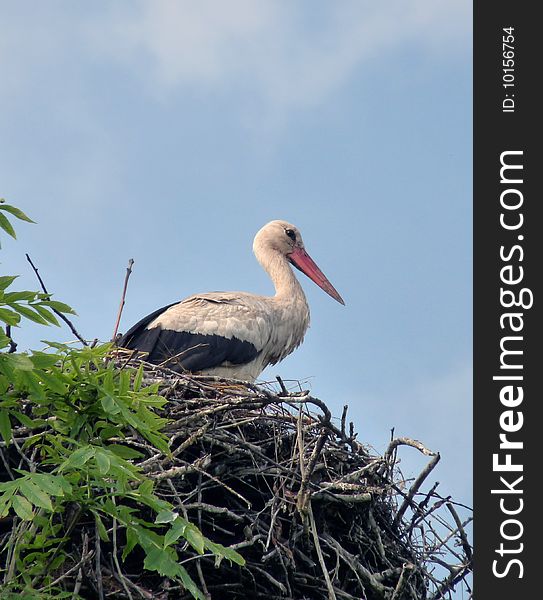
67,416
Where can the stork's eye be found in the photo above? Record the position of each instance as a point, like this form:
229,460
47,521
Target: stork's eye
291,234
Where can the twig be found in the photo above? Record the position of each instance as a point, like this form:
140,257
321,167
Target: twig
143,593
378,540
122,578
12,343
343,420
355,564
85,557
284,391
463,537
201,463
202,580
357,498
308,471
415,487
331,593
11,545
218,510
57,312
5,462
449,583
405,441
407,571
123,298
98,561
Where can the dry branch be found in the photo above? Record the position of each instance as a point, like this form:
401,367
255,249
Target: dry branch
57,312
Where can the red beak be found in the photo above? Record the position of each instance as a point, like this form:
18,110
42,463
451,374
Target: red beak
301,260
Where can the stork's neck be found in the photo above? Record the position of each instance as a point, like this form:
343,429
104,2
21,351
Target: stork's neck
278,268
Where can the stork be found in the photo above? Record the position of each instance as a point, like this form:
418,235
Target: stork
236,334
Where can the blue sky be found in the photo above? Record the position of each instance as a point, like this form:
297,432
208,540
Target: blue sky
170,132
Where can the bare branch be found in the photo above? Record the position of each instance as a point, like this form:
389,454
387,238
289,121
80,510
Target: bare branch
57,312
123,298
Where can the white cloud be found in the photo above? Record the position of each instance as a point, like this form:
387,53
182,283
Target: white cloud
271,56
289,54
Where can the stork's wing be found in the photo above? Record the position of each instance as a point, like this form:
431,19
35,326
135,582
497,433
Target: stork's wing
200,333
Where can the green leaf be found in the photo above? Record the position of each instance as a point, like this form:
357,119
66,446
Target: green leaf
60,306
7,280
5,366
7,226
175,532
110,431
35,495
109,385
27,421
195,538
9,317
20,362
7,490
55,485
102,461
4,339
102,531
43,360
79,458
32,383
5,425
109,405
53,381
18,296
46,314
146,488
166,516
30,314
158,440
224,552
22,507
57,345
16,212
125,451
189,584
138,378
131,541
161,561
124,382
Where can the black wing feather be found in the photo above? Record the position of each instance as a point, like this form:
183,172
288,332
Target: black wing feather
183,350
136,330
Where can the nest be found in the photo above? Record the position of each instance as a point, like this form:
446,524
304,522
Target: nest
315,514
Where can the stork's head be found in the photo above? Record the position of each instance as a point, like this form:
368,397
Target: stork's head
284,238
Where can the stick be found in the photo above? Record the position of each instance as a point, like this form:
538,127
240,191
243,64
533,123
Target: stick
331,593
122,578
97,562
343,420
407,570
58,313
123,297
415,487
463,537
85,557
12,343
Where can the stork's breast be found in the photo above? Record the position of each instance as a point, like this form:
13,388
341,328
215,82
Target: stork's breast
288,333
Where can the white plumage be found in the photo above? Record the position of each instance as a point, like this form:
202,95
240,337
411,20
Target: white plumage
236,334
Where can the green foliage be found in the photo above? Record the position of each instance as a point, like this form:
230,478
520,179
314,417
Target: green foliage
5,223
14,305
77,410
